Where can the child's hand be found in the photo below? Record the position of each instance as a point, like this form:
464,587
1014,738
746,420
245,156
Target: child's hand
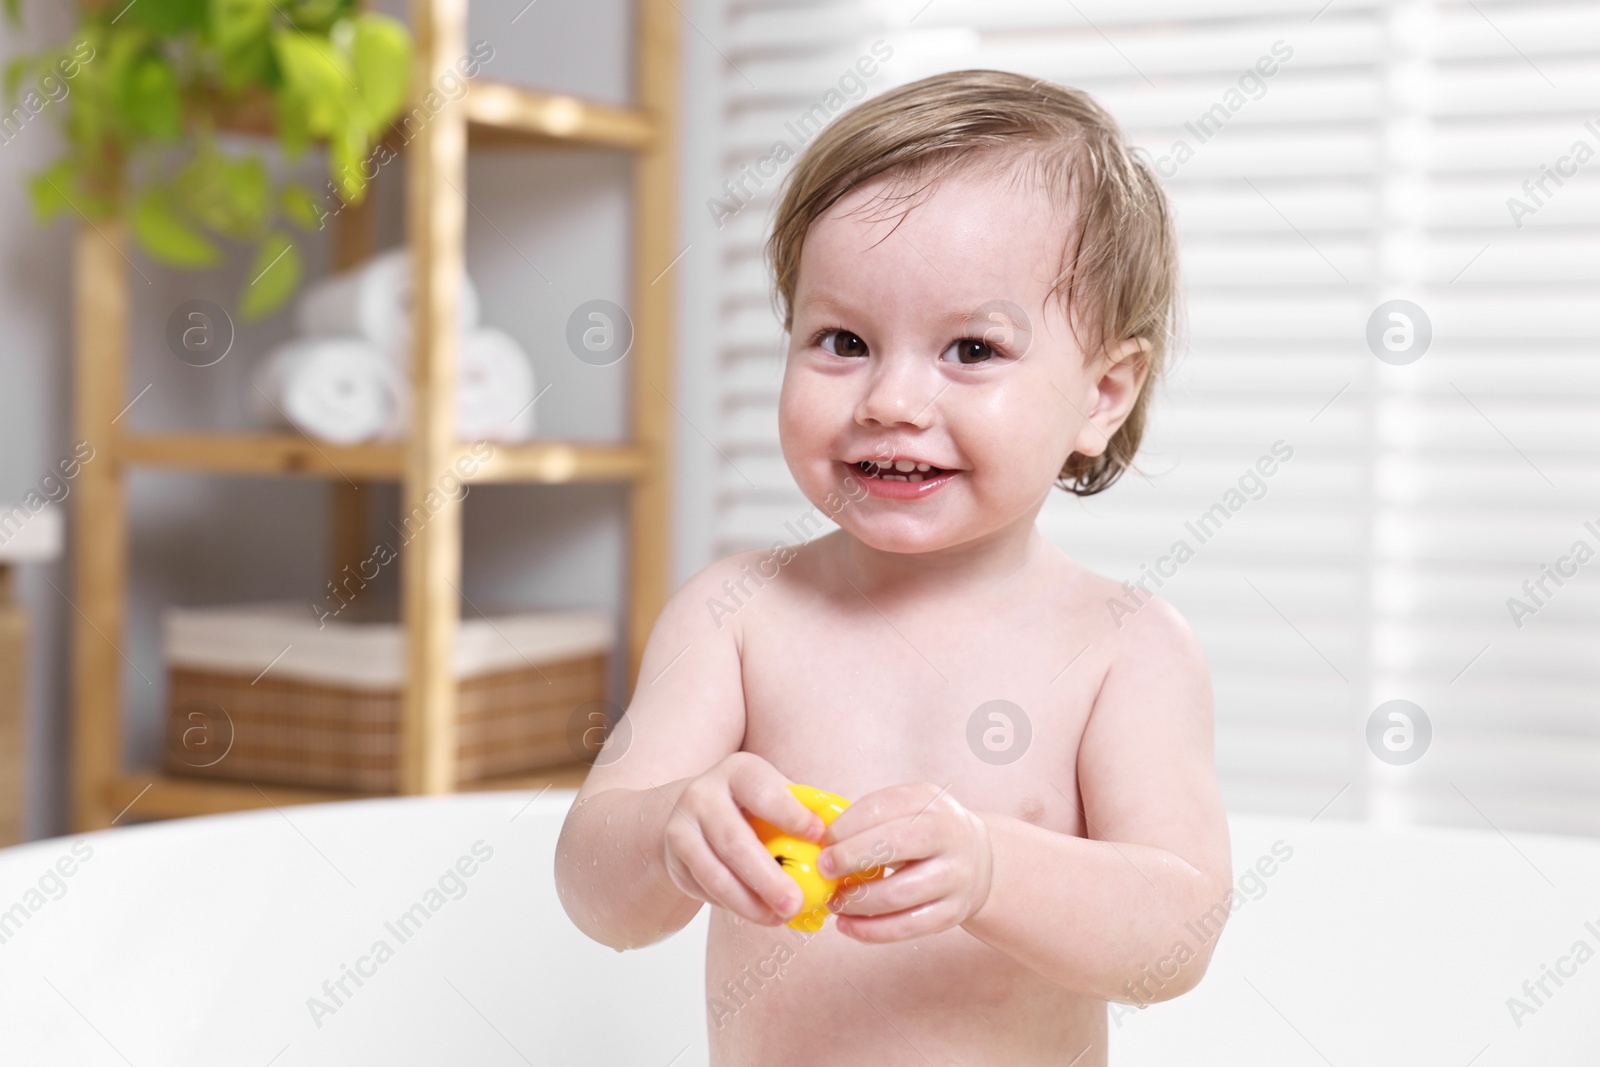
713,853
940,853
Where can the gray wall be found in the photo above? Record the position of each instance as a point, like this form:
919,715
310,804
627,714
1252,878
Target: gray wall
562,215
34,385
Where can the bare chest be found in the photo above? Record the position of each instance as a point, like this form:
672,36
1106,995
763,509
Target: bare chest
988,696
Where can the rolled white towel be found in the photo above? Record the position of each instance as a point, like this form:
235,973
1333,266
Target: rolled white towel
338,389
494,387
373,301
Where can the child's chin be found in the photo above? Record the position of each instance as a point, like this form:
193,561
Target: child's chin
906,538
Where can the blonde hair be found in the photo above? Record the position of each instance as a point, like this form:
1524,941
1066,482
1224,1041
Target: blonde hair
1122,276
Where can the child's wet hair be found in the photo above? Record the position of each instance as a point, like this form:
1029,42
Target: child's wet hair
1119,275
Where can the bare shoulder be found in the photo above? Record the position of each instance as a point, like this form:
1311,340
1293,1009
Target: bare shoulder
1153,628
1136,624
711,596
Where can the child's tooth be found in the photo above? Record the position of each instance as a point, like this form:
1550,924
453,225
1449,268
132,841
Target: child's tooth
914,478
904,466
882,463
924,466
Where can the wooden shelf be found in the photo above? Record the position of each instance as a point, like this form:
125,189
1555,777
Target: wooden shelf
260,454
155,794
499,114
555,462
549,462
434,160
502,114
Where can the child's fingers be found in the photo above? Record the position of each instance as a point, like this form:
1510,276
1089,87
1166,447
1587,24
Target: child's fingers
911,886
736,845
909,799
762,791
897,841
685,880
721,885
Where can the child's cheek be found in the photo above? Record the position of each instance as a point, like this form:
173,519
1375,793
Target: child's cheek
801,420
804,450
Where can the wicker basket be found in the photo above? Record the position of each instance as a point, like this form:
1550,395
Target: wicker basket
330,718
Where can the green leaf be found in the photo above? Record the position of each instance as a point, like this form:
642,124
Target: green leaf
150,98
382,52
168,236
125,46
93,91
247,192
229,195
236,24
347,152
56,189
171,17
16,70
14,12
318,15
294,129
48,189
301,206
319,75
249,65
91,114
273,277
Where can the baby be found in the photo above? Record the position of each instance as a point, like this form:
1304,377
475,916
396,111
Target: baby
977,280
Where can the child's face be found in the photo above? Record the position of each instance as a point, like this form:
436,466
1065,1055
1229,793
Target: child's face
878,368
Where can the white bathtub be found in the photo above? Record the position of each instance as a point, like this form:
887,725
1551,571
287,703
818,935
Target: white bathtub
201,941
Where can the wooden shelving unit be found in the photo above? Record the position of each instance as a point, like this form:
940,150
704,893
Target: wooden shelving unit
491,114
289,454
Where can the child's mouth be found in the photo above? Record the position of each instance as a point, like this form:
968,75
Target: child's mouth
898,471
894,483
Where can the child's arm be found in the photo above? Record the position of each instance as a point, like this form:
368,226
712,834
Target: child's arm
656,830
1102,915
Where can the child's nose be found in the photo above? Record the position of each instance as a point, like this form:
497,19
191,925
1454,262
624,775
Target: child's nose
899,392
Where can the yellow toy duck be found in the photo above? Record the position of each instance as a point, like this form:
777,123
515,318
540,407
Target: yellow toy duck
798,857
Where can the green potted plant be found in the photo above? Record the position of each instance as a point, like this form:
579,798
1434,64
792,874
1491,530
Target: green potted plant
152,82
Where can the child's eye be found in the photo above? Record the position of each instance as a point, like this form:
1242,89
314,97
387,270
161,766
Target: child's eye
842,343
970,350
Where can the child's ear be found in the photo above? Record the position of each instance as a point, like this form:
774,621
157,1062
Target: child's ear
1122,371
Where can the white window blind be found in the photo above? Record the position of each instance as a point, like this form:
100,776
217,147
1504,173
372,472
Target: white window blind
1406,503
